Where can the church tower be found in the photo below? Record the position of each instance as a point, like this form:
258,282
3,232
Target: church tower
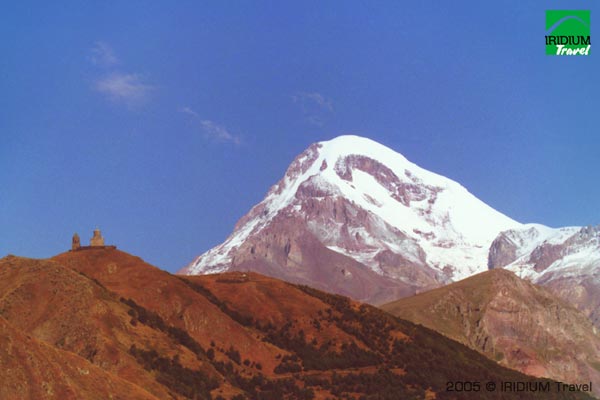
97,239
76,243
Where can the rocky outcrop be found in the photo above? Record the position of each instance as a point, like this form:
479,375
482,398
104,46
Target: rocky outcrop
288,250
521,325
405,191
503,251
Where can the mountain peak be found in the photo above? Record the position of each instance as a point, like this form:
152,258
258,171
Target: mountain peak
338,148
367,203
354,144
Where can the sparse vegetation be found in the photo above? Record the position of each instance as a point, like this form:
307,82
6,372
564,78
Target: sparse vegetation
245,320
429,359
169,372
152,319
261,388
234,355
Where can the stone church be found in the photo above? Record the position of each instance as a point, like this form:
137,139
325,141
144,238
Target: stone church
97,241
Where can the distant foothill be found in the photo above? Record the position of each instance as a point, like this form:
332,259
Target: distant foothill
96,242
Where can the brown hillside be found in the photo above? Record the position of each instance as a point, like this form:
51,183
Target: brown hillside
34,370
65,309
169,296
230,336
518,324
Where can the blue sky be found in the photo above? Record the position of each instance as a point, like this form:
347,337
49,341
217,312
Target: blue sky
164,122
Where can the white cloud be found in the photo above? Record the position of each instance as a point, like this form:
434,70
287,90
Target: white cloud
315,120
219,132
189,111
213,130
315,107
103,55
124,88
118,86
304,98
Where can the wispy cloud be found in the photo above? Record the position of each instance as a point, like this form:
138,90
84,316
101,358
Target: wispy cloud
211,129
315,98
189,111
219,132
315,106
315,120
110,80
103,55
124,88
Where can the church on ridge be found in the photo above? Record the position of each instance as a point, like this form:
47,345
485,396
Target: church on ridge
96,242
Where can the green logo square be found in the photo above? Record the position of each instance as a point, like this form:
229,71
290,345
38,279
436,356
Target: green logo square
568,32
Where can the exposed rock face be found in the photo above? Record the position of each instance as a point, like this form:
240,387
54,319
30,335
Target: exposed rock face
287,250
583,293
401,190
389,222
502,252
518,324
565,260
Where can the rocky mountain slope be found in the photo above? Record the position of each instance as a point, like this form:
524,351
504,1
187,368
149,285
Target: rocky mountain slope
565,260
521,325
381,221
101,315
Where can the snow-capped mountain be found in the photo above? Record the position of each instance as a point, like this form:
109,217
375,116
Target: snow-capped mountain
566,260
387,220
354,217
